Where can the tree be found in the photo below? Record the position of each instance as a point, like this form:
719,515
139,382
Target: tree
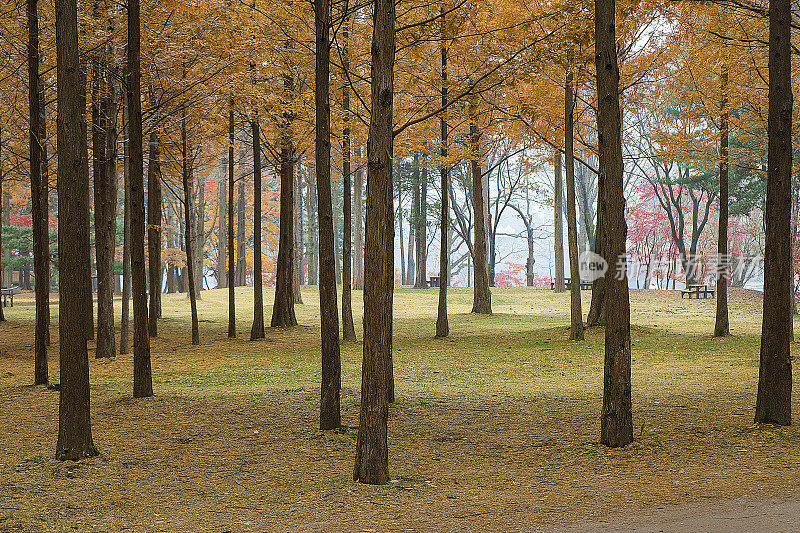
774,399
348,328
372,453
721,325
104,117
283,309
616,420
329,417
187,180
257,330
38,200
576,324
74,421
154,200
142,376
558,225
482,296
442,324
231,235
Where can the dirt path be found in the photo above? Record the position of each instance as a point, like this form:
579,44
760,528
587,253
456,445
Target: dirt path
744,514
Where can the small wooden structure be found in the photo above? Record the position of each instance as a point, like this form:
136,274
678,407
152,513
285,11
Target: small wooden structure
585,285
434,281
696,291
8,295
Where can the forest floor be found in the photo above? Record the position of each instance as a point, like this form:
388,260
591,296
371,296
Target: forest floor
495,428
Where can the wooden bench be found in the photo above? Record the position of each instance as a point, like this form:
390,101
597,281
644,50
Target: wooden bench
434,281
8,295
696,291
585,285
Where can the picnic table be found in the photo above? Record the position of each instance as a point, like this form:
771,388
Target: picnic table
585,285
696,290
434,281
8,295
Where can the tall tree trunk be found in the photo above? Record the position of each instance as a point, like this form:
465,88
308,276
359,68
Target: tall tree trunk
329,416
222,218
283,308
187,181
105,208
597,305
411,277
74,421
313,263
722,325
124,328
421,231
86,248
481,295
39,200
774,400
358,238
297,242
442,324
3,208
154,229
616,420
348,328
558,225
257,330
241,265
372,453
576,323
231,234
400,227
142,376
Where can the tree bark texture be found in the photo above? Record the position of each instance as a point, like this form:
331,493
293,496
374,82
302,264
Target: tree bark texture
616,421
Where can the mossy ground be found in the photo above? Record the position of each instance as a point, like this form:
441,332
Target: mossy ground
495,427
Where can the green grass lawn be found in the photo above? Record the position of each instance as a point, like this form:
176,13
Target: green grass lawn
496,426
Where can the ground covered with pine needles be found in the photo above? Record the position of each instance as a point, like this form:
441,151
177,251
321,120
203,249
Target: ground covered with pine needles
496,427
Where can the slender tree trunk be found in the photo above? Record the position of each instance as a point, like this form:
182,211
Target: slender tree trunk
187,180
105,209
154,229
3,208
616,420
414,223
329,417
558,225
231,248
348,328
442,324
774,400
297,242
231,234
86,248
313,263
222,235
481,295
142,376
283,314
257,330
400,227
74,421
576,323
41,252
126,237
241,266
358,238
597,306
372,453
722,325
421,231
